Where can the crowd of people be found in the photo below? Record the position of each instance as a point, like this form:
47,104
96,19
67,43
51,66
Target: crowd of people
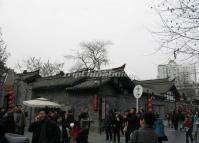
60,127
131,124
188,121
49,125
56,126
13,119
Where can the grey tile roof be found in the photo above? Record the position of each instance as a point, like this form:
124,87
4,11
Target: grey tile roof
55,82
28,76
159,86
114,72
93,83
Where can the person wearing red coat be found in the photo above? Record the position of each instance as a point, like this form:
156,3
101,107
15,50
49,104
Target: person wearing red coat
188,124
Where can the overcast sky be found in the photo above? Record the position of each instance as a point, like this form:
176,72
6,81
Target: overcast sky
50,28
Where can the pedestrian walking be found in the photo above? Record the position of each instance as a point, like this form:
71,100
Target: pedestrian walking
195,125
9,121
117,125
188,125
175,119
76,132
43,129
181,120
132,122
68,120
63,131
168,119
159,129
146,133
109,122
19,118
126,113
84,120
22,119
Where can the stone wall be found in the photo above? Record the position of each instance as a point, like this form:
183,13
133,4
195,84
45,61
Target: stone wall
123,102
56,95
78,102
20,92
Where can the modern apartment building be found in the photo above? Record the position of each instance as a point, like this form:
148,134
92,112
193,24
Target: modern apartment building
183,74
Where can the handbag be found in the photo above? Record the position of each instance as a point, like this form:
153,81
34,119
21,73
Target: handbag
125,128
186,129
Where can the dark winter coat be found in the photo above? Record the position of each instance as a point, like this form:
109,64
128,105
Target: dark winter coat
144,135
52,131
117,124
64,134
2,131
109,121
70,119
8,118
133,123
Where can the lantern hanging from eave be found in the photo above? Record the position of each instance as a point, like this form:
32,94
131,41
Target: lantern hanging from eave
10,98
95,103
177,107
150,107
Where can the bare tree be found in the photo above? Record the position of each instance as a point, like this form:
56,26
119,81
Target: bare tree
179,33
49,69
91,56
45,68
3,54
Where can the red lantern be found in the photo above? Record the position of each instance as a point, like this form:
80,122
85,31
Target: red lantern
177,107
150,104
9,102
95,103
187,109
10,98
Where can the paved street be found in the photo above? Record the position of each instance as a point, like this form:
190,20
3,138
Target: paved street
173,136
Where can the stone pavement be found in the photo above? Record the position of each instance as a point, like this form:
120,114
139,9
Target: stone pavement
173,136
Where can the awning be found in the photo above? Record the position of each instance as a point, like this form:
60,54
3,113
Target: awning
41,102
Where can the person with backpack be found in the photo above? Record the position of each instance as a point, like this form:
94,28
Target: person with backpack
159,129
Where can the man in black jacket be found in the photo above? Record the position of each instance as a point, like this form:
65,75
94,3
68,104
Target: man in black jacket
109,122
3,131
9,119
44,130
132,122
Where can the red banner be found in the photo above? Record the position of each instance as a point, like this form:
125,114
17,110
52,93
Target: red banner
10,97
95,103
150,107
177,107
